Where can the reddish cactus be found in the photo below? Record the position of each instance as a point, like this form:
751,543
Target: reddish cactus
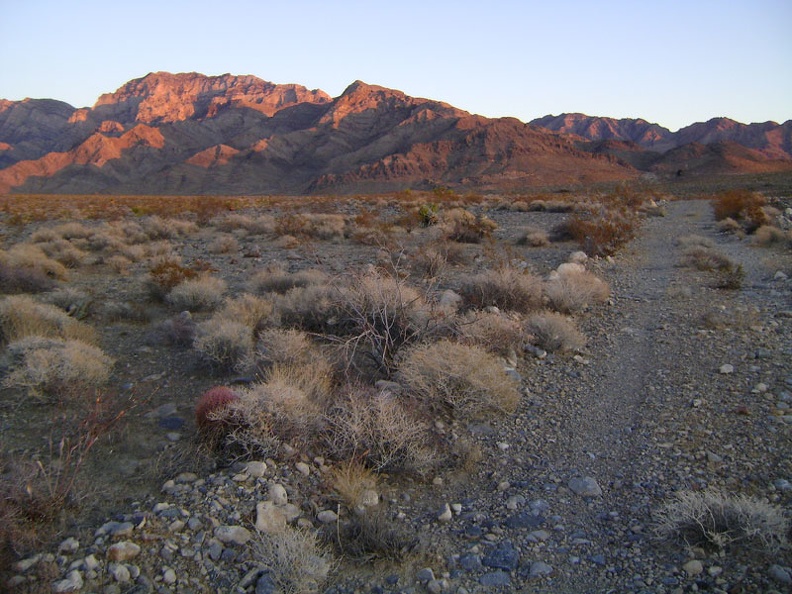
210,403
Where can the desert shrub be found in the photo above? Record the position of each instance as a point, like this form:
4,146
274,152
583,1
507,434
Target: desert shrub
554,332
313,308
602,231
768,235
572,288
465,380
51,368
373,535
167,273
21,279
312,225
204,293
507,288
255,312
729,225
32,257
534,237
430,259
64,252
21,316
277,280
178,330
224,345
157,227
711,518
224,244
380,430
259,225
211,406
279,346
463,226
742,206
497,333
704,258
352,480
67,231
298,563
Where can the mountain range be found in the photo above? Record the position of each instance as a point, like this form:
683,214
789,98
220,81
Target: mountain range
194,134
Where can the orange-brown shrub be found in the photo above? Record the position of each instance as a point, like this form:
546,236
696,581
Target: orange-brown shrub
603,232
165,274
743,206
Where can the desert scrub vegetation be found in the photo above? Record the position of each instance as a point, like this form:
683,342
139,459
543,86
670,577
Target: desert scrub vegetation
297,561
275,279
204,293
327,227
602,229
506,287
32,258
50,369
461,225
497,332
554,332
223,345
744,207
462,380
21,316
571,288
722,521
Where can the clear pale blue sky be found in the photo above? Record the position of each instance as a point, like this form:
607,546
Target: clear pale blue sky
670,62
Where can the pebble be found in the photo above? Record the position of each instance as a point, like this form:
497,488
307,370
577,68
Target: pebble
445,514
234,535
425,575
256,468
584,486
540,569
693,567
69,546
277,494
503,556
726,369
495,579
782,575
73,582
303,468
123,551
327,516
119,571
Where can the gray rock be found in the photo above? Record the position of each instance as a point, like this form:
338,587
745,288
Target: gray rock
540,569
277,494
445,514
266,585
503,556
123,551
256,468
69,546
526,519
470,562
327,516
693,567
495,579
584,486
73,582
782,575
233,535
726,369
120,572
425,575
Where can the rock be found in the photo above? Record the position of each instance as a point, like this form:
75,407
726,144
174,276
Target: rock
327,516
25,564
435,586
693,567
234,535
123,551
584,486
425,575
69,546
265,584
119,571
277,494
726,369
303,468
526,519
503,556
269,517
445,514
470,562
369,498
256,468
540,569
495,579
169,576
782,575
73,582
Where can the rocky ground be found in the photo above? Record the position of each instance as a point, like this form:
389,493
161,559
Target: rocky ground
683,386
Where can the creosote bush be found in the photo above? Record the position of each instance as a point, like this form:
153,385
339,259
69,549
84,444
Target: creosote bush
555,332
715,519
464,380
224,345
204,293
742,206
572,288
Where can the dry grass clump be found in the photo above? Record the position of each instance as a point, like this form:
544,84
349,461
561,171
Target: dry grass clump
464,379
534,237
431,258
254,312
224,345
278,280
64,252
572,288
497,333
313,308
352,480
458,224
381,430
21,316
555,332
769,235
224,244
53,368
157,227
165,274
262,224
322,226
506,288
20,279
298,563
712,518
33,258
704,258
204,293
279,346
602,231
373,535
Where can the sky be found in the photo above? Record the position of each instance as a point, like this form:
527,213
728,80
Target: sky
667,61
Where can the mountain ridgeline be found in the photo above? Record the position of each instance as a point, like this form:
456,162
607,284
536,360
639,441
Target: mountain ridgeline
194,134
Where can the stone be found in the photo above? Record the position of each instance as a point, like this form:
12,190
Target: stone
233,535
526,519
540,569
25,564
425,575
303,468
169,576
123,551
726,369
277,494
693,567
503,556
435,586
256,468
585,487
445,514
265,584
269,517
495,579
120,572
73,582
327,516
69,546
369,498
470,562
782,575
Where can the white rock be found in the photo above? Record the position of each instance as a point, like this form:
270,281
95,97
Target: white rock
73,582
236,535
303,468
69,546
256,468
327,516
277,494
578,257
119,571
726,368
445,514
169,576
269,518
693,567
25,564
123,551
369,498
